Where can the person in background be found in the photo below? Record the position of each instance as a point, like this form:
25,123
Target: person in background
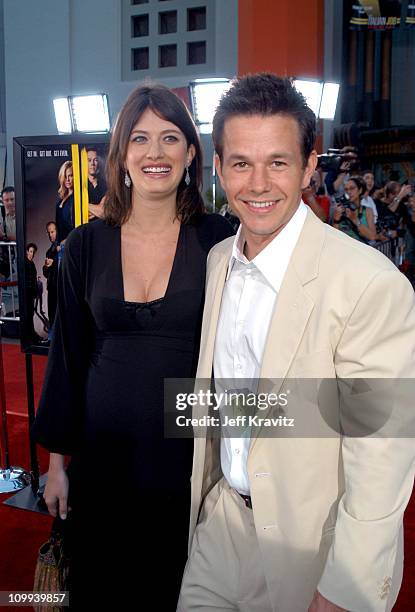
410,240
369,179
130,301
9,228
351,217
8,234
367,199
335,180
31,291
315,197
65,221
393,199
227,212
50,271
392,209
97,186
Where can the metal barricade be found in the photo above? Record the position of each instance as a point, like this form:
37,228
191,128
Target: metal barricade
9,303
393,249
12,478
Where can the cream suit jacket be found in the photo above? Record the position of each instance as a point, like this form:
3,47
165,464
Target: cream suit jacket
328,511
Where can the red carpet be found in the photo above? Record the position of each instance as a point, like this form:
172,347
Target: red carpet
22,532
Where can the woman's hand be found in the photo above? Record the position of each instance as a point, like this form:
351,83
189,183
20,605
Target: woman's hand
338,212
57,487
352,215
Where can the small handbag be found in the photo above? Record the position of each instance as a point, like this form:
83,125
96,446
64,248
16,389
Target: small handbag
52,567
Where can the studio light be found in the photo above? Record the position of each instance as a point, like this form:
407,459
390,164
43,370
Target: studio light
90,113
321,97
82,114
329,100
311,91
62,115
205,95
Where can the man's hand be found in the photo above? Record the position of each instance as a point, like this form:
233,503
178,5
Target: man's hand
344,167
406,190
48,262
321,604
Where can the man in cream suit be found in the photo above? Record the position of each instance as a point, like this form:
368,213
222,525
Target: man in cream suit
286,523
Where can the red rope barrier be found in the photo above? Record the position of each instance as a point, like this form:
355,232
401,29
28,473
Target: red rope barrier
8,283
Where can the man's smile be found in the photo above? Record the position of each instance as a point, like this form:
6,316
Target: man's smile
261,206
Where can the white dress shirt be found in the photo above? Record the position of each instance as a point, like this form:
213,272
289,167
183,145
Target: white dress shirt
369,203
249,298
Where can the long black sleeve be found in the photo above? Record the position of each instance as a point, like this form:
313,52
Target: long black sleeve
58,420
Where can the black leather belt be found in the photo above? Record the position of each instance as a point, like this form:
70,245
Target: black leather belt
247,499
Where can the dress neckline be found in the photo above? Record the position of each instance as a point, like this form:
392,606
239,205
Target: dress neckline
151,303
171,276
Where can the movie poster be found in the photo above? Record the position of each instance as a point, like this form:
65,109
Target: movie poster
375,14
410,15
63,187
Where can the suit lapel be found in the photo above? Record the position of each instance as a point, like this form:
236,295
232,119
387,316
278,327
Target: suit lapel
213,299
292,312
286,329
206,453
294,305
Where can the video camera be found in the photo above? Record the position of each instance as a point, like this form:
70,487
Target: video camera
333,159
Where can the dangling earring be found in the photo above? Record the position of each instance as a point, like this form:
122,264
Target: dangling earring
187,176
127,180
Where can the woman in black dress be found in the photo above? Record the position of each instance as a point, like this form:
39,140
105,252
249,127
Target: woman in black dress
130,301
65,204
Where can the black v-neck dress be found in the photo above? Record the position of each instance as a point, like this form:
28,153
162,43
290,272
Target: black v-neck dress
102,404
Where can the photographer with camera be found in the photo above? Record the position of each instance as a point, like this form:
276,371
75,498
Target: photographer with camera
392,209
350,215
315,197
394,199
339,164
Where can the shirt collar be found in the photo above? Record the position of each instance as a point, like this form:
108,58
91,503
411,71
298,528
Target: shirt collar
272,261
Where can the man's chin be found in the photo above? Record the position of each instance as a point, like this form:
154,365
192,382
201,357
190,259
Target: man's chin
255,230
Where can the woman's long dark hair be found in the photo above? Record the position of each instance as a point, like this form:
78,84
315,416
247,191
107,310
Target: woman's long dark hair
360,184
164,103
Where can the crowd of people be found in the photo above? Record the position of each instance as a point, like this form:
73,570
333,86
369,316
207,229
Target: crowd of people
382,215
